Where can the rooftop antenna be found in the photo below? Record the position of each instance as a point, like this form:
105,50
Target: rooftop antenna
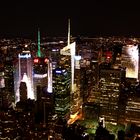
39,52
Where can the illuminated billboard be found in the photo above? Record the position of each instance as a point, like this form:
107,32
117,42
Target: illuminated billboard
130,60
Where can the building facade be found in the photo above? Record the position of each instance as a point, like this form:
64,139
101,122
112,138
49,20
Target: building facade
61,91
24,73
40,73
109,86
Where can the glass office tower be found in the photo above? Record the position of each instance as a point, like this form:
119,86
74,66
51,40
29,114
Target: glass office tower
61,91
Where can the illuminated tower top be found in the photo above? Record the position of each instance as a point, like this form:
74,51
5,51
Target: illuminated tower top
68,32
39,51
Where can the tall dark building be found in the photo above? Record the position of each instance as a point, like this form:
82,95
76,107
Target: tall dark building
55,57
44,105
94,81
109,85
9,79
23,91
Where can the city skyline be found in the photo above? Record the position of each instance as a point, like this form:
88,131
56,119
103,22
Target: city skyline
87,19
103,96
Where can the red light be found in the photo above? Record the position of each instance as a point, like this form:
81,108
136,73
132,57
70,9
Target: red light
46,60
108,55
36,60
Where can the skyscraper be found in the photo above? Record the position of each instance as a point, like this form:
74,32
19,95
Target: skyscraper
9,78
61,91
130,59
24,73
70,50
109,85
23,91
40,73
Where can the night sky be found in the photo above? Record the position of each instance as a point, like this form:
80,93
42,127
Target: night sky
96,18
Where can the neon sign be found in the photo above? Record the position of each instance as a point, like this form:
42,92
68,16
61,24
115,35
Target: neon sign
24,55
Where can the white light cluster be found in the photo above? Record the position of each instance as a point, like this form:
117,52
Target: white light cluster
49,89
29,87
40,75
132,69
24,56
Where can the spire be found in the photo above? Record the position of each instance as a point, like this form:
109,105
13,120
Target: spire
39,52
68,32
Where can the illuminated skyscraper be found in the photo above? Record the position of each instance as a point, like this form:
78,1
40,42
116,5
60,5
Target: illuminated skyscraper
40,73
77,78
109,85
130,60
24,73
61,91
70,50
49,87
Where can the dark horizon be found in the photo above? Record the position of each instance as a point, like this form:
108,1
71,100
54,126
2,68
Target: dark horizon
90,19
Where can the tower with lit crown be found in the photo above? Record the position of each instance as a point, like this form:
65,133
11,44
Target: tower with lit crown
69,50
42,72
39,51
23,73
